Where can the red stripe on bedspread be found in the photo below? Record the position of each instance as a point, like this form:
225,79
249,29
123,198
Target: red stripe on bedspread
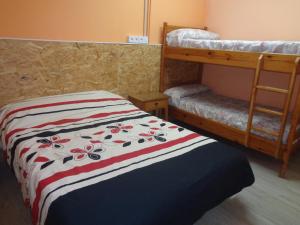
57,104
98,165
64,121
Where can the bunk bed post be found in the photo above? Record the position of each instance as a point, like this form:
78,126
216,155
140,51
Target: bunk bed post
200,73
293,130
253,97
287,106
163,77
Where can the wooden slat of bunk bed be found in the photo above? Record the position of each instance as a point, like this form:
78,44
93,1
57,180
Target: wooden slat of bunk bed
272,62
169,28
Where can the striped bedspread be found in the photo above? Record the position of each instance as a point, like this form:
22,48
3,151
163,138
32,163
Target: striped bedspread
59,144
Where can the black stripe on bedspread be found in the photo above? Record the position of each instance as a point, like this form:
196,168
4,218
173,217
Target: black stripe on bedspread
59,111
177,191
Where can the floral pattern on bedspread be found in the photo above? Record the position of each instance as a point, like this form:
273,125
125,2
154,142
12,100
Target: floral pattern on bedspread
231,112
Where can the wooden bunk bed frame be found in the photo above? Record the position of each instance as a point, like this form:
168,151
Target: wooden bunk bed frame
285,64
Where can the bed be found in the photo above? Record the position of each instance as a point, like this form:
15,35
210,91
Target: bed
274,132
94,158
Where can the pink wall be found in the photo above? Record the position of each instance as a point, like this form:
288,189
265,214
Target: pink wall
254,19
250,20
177,12
93,20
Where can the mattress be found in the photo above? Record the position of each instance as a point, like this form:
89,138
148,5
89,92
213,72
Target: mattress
281,47
94,158
229,111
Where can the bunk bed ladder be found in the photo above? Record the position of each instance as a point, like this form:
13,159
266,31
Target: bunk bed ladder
282,114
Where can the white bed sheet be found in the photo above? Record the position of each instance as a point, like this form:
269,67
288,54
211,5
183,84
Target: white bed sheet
282,47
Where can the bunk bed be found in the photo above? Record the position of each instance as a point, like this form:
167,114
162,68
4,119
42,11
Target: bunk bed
279,140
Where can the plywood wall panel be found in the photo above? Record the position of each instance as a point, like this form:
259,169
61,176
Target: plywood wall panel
38,68
180,72
139,67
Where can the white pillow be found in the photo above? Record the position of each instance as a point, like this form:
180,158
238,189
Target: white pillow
193,34
185,90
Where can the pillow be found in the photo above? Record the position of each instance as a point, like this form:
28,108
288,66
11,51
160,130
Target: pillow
193,34
185,90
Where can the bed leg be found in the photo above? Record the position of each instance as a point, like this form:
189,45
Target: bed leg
284,165
282,172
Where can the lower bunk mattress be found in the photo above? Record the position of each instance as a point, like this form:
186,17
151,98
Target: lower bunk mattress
94,158
228,111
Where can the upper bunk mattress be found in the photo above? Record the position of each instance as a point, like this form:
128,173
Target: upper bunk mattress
280,47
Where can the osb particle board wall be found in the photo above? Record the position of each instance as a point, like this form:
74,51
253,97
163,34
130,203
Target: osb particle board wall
39,68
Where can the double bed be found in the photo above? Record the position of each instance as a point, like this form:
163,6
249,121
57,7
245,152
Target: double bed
94,158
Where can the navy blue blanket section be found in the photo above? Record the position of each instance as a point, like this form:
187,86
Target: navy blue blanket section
177,191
